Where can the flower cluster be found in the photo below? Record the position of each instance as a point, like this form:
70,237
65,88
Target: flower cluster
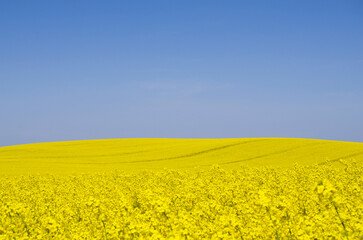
317,202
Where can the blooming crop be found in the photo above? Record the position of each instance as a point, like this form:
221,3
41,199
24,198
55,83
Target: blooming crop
316,202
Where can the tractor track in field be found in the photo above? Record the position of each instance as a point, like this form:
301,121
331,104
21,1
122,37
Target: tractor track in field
271,154
183,156
344,157
197,153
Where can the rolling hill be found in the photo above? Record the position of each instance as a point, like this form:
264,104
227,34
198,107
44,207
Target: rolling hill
89,156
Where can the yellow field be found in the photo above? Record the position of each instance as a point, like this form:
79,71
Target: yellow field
140,154
262,188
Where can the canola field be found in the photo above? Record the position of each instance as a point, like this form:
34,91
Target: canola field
267,188
133,155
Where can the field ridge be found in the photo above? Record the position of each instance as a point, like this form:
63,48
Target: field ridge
142,154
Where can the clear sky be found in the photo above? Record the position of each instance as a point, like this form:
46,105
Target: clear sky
72,70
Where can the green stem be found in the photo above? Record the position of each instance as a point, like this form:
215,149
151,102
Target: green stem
341,220
277,232
104,229
288,219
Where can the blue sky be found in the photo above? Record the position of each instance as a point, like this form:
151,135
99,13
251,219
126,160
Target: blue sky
72,70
